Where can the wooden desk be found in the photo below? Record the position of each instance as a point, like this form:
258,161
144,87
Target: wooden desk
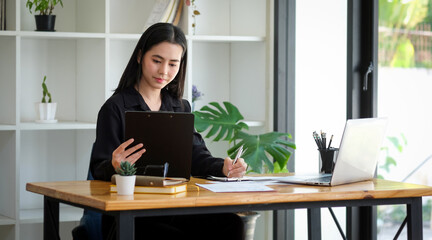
95,195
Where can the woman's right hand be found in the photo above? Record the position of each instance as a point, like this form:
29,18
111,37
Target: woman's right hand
130,155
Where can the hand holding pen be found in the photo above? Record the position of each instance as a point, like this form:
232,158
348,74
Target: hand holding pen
235,168
239,153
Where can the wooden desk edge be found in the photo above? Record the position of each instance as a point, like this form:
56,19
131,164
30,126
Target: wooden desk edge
205,198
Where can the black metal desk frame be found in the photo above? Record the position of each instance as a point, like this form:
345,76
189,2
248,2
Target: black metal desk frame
126,230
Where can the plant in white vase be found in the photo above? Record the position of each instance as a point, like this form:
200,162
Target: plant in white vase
46,109
125,178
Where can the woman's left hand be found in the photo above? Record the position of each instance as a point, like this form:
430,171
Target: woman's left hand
237,170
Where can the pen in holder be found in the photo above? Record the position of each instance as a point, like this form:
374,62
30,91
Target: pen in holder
327,159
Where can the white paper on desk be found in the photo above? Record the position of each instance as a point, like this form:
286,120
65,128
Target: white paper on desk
263,178
227,179
236,187
245,178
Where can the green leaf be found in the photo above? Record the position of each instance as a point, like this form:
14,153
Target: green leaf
44,90
404,55
126,169
44,7
222,123
258,148
269,150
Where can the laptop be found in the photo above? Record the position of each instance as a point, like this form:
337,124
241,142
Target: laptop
167,138
358,155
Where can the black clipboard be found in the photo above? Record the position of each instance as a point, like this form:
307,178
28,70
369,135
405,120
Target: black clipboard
167,138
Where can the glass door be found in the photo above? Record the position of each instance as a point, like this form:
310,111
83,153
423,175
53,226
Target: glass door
404,96
320,91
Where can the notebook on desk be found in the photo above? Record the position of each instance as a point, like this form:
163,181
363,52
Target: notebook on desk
358,155
167,138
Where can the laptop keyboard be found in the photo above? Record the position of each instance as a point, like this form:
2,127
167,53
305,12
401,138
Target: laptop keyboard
320,179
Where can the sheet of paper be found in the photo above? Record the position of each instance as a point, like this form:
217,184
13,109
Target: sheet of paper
245,178
263,178
236,187
227,179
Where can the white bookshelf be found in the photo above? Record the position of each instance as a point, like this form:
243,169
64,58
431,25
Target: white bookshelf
6,221
57,126
67,214
230,58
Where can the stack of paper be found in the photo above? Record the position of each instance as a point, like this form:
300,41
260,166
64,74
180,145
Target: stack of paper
248,186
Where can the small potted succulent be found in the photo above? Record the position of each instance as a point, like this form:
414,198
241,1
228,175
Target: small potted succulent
46,109
45,20
125,178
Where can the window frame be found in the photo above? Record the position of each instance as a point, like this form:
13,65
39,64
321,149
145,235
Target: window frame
362,50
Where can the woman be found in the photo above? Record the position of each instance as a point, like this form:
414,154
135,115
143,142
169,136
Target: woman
154,81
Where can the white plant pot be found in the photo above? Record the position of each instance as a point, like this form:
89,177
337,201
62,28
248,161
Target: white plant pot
46,112
125,184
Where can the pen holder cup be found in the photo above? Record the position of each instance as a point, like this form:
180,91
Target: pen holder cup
327,159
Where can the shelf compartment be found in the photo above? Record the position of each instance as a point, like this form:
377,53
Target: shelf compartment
60,35
54,155
8,33
10,15
129,16
125,36
235,72
8,188
74,16
7,83
213,38
75,70
67,214
122,49
231,17
56,126
254,123
5,127
6,221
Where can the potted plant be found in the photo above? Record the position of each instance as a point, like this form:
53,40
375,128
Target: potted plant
45,20
125,178
226,125
46,109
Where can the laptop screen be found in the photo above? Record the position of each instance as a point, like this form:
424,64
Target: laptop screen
359,150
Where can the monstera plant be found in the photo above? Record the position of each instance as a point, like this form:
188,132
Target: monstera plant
225,124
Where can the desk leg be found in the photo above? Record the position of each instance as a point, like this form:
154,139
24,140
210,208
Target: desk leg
415,219
314,223
51,219
361,223
125,226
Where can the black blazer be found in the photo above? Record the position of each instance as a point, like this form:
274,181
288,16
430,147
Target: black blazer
110,131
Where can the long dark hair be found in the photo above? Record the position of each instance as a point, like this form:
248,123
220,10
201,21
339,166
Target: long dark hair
155,34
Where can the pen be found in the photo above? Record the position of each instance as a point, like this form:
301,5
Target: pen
317,140
324,139
331,139
239,153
